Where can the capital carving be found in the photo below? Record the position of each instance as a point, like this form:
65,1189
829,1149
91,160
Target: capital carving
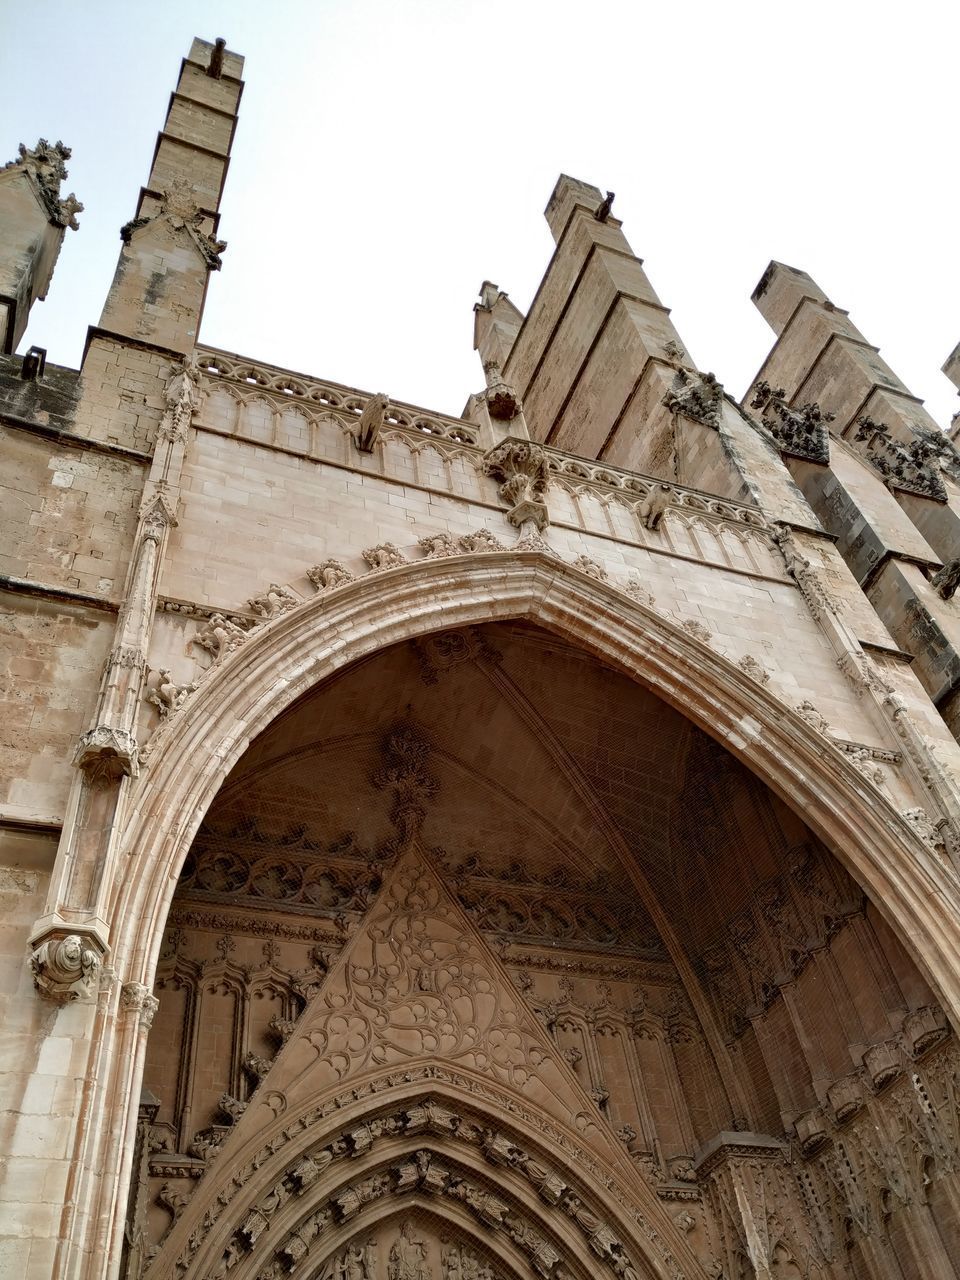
521,468
66,967
136,997
45,164
106,754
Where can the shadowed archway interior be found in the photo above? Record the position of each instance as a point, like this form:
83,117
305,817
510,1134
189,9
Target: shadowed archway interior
712,989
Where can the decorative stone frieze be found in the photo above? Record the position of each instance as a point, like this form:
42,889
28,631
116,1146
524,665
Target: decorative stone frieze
180,208
67,967
524,476
45,163
802,433
695,395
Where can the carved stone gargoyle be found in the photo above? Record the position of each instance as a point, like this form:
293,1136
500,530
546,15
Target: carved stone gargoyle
371,421
521,467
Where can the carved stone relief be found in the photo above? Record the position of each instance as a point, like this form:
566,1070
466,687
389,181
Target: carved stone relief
521,468
802,432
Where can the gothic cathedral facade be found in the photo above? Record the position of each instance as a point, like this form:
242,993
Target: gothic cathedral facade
515,846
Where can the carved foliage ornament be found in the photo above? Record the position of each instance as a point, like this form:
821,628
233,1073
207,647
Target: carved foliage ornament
45,163
802,432
524,476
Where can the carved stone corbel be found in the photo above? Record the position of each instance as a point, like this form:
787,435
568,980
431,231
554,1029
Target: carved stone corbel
105,754
521,468
66,966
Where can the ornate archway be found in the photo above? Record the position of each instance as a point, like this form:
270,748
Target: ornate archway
295,654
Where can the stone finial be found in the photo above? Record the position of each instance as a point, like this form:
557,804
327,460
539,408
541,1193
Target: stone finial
697,396
45,163
802,432
66,967
521,468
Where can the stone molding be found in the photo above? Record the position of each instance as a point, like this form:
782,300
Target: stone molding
179,206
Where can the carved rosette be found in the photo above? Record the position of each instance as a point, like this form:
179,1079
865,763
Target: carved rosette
45,163
67,967
521,468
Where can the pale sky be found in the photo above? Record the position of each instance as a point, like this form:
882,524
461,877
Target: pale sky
392,154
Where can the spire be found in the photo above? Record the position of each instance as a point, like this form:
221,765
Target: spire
171,245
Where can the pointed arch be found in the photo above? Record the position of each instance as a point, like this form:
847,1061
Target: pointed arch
299,650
